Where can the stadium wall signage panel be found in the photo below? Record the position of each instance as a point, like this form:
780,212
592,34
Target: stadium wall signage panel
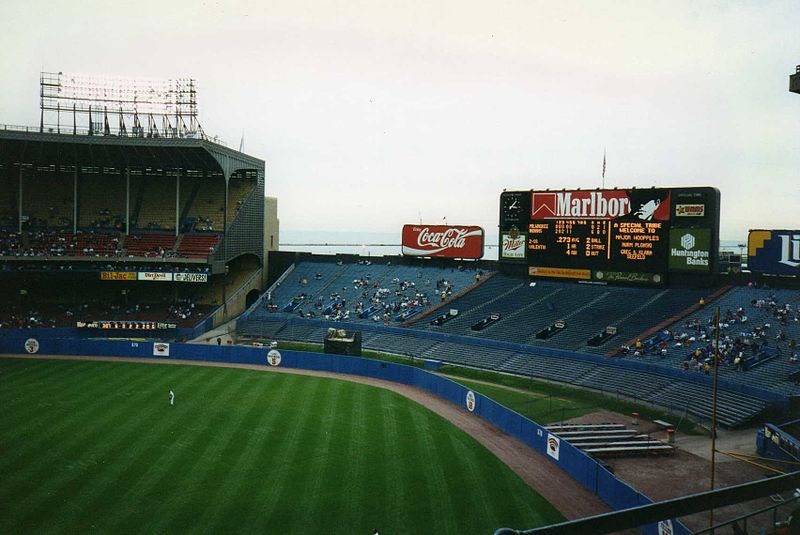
774,252
630,236
448,241
153,276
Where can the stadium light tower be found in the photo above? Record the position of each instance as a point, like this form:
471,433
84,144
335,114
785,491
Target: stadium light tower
169,107
794,81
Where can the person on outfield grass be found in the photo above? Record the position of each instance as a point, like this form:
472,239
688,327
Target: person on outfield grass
171,397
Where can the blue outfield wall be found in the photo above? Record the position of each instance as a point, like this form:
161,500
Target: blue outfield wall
774,398
773,442
586,470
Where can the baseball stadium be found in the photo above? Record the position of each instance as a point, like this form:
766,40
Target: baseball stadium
613,370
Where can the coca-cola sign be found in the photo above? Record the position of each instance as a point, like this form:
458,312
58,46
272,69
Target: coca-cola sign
450,241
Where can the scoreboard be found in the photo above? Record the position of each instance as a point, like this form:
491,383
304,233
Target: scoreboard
636,236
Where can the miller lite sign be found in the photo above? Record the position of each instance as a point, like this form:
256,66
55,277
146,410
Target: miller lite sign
774,251
449,241
512,244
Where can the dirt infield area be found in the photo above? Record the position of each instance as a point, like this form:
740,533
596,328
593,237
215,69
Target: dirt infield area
659,478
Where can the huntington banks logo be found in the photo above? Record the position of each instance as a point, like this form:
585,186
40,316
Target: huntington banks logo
689,249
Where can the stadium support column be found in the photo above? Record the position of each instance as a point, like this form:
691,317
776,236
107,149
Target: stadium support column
225,252
177,201
19,201
75,201
127,200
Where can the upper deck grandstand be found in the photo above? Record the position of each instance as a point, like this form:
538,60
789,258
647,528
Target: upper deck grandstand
97,209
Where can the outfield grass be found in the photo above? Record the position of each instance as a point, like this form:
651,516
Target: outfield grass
563,401
90,447
540,408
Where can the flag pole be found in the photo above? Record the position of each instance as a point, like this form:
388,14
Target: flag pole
604,169
714,412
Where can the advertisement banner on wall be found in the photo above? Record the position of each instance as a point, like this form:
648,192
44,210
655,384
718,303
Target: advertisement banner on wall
449,241
648,205
553,446
154,276
774,251
161,349
191,277
118,275
563,273
512,244
690,249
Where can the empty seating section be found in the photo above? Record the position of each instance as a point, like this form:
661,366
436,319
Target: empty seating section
101,202
550,368
149,244
208,207
238,190
198,245
157,206
47,200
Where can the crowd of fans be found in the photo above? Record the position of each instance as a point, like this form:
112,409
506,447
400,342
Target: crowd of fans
83,243
106,220
376,300
183,309
745,337
41,267
61,315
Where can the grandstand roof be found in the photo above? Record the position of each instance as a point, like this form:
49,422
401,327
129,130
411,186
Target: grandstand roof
45,149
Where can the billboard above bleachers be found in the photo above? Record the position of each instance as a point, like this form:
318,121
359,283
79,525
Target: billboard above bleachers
775,252
448,241
621,235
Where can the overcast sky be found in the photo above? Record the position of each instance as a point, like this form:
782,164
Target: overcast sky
371,114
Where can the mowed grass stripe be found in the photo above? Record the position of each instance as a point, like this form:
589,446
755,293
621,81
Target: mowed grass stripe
309,474
244,473
148,455
34,411
288,449
241,505
360,438
169,484
476,501
26,372
204,479
71,460
141,435
41,446
397,484
435,481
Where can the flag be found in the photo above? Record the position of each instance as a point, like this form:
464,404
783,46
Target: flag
604,163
